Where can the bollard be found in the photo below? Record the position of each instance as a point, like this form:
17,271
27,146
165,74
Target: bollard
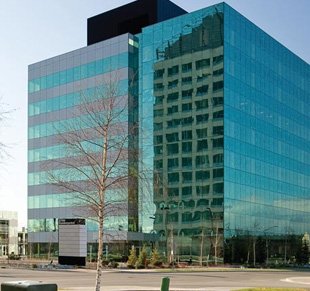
165,284
27,286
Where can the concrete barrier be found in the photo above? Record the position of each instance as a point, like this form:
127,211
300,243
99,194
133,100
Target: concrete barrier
27,286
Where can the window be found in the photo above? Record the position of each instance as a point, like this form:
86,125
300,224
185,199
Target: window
187,135
174,123
187,147
218,143
202,145
158,87
172,137
201,104
202,64
203,202
173,192
172,97
187,217
216,101
186,80
158,139
202,190
158,112
202,175
202,90
173,84
218,188
172,217
173,177
172,148
218,72
173,71
159,99
159,73
218,173
187,177
158,126
217,59
218,85
186,94
190,203
187,162
218,159
202,132
202,161
218,114
173,109
186,67
158,164
202,77
202,118
217,202
187,191
187,107
187,120
158,150
173,163
218,130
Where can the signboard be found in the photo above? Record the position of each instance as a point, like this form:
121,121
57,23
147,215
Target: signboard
72,238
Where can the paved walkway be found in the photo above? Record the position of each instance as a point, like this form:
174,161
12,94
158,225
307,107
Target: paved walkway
141,288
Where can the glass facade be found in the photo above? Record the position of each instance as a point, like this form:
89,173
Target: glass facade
229,110
223,137
58,87
181,101
266,141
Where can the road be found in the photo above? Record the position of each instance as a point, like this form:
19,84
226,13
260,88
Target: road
81,279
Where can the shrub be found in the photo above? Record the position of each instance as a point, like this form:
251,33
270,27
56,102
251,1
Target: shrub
132,259
156,260
142,260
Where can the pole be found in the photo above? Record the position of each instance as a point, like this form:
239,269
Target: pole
165,284
201,248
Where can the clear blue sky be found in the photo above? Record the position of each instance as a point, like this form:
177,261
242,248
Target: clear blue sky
34,30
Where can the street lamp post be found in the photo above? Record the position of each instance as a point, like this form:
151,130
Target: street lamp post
166,208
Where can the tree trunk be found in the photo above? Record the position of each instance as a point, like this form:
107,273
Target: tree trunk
100,251
254,252
101,209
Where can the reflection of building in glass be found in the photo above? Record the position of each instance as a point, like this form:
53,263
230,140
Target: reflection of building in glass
231,174
188,139
8,233
223,135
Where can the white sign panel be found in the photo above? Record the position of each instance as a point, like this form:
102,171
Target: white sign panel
72,238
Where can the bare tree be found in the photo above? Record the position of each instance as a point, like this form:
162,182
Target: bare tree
101,156
4,114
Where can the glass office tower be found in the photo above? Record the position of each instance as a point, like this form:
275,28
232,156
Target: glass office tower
223,137
228,106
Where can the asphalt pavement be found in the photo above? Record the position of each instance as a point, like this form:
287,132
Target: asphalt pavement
148,280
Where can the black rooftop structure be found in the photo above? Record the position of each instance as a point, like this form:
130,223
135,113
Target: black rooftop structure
131,18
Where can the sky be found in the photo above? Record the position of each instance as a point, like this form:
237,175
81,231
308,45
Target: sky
34,30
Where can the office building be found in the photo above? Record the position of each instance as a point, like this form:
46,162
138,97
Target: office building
8,233
223,133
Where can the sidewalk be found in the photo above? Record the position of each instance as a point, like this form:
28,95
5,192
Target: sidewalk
141,288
